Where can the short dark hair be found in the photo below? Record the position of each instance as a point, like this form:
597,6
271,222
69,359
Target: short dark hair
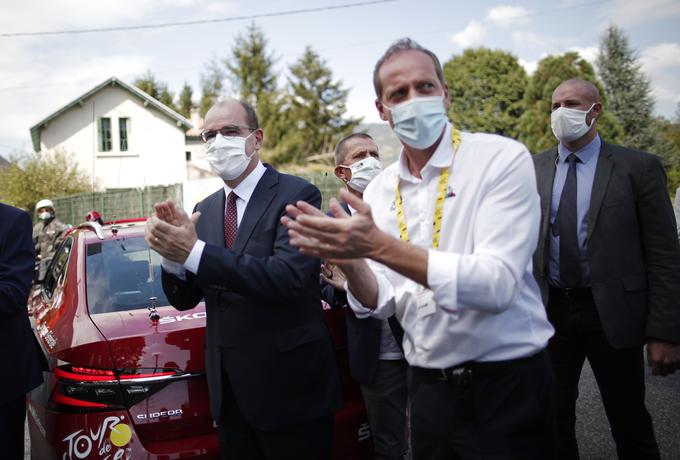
251,115
341,151
404,44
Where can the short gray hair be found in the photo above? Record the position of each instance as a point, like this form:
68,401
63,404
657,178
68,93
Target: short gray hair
404,44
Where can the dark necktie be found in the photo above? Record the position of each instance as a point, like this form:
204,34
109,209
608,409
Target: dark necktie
566,223
230,221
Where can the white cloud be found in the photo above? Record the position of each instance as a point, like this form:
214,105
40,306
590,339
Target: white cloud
506,15
660,57
472,35
589,53
661,63
626,13
529,66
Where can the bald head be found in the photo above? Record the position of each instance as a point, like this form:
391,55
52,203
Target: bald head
586,90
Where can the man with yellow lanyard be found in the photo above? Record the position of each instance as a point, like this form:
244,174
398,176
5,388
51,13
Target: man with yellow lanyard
443,240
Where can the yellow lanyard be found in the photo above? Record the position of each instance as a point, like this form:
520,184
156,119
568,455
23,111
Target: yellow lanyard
438,203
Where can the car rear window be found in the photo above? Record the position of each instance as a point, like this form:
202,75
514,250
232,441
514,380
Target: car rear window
122,274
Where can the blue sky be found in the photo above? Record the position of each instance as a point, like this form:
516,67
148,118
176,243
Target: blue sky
40,74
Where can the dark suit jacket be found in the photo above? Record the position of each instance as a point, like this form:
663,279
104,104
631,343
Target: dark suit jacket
21,354
265,326
363,335
632,245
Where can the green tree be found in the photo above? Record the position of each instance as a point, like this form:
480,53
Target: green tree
155,88
534,124
628,92
487,90
250,68
31,177
212,85
315,111
185,102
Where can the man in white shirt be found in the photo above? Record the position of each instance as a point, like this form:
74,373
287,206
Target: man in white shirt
444,241
376,360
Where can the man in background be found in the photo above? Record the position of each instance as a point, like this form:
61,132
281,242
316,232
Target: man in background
47,234
608,263
376,359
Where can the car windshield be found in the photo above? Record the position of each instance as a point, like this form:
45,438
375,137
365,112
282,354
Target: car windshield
118,275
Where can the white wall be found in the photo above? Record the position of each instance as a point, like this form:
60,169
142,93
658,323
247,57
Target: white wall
156,145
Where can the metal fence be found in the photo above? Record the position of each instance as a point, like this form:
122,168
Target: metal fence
118,204
132,203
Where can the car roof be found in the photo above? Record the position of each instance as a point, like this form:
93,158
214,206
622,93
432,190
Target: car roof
92,232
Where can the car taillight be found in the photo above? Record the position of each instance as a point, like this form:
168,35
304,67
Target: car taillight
90,389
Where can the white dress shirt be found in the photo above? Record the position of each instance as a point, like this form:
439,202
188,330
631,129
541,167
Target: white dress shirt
488,305
243,191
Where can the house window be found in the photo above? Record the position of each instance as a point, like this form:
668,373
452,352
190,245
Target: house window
123,129
104,134
188,155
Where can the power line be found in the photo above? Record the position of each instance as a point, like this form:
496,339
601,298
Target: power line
199,21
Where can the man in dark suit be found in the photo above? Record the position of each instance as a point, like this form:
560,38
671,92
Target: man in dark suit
271,370
21,355
376,359
608,264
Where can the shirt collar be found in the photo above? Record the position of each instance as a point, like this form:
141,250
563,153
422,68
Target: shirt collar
245,189
441,158
587,153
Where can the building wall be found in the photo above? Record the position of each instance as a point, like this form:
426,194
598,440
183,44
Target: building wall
156,145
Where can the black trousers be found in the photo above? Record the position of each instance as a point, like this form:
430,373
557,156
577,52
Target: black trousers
240,441
12,417
619,374
385,399
502,410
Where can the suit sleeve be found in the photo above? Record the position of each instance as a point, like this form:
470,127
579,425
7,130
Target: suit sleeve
662,254
283,275
17,257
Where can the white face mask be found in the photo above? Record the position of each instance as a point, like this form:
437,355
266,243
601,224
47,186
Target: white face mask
418,122
568,124
45,215
363,172
227,156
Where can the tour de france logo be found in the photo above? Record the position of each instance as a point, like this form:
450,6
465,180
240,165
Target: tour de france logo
109,440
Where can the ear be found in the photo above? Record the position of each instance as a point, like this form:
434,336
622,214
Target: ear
381,110
595,113
344,174
259,138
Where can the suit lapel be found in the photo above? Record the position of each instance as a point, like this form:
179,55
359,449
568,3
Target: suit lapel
211,221
257,205
546,170
600,182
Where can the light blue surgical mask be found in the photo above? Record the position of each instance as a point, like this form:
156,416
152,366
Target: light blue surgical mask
418,122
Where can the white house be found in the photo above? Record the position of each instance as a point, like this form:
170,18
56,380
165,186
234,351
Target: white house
123,137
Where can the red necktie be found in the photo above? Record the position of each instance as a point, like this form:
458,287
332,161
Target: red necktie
230,221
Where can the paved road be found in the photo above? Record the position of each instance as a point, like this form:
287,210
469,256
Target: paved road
592,428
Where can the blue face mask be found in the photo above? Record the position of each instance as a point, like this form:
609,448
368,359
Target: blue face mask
418,122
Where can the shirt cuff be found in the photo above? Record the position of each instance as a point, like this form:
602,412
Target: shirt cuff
385,307
442,277
174,268
194,259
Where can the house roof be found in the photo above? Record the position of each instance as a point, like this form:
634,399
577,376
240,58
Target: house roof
113,81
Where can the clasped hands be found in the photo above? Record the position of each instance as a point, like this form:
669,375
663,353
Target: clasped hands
171,232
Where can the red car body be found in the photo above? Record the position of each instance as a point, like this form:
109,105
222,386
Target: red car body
122,386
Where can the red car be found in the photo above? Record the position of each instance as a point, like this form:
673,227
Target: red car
127,375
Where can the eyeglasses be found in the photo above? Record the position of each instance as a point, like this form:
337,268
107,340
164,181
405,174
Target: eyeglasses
226,131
